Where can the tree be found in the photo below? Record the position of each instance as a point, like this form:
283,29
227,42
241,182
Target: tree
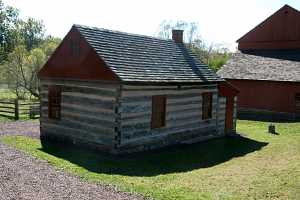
191,30
32,32
21,68
213,55
14,71
9,17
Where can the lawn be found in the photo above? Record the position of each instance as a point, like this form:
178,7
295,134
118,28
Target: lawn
257,166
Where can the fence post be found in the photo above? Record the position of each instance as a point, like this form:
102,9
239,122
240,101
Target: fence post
16,109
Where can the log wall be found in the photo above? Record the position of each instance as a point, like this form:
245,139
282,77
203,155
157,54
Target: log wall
183,116
87,113
117,118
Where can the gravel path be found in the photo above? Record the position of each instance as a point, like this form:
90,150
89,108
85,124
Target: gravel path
24,177
27,128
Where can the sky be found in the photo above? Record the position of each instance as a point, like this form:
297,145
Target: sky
220,22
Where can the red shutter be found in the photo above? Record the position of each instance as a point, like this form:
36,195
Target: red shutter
206,105
158,118
54,102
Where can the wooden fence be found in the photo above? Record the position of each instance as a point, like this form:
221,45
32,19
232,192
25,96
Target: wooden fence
19,108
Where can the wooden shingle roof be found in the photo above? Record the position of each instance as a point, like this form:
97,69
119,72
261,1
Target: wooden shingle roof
275,65
137,58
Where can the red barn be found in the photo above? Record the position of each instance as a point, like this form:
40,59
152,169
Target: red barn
266,70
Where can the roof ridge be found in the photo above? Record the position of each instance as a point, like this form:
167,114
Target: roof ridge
121,32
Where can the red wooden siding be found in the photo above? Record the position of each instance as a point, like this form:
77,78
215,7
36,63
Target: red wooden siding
76,59
267,95
279,31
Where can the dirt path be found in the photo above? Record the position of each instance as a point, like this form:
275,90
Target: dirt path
24,177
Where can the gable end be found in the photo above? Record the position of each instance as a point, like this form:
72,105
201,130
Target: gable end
76,59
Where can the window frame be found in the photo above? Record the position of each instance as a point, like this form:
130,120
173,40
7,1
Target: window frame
207,99
54,102
158,114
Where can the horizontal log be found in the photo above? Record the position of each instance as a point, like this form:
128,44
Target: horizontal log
164,135
192,113
90,90
179,87
88,102
91,96
170,97
89,119
65,139
80,125
191,121
196,106
136,126
165,92
134,108
135,120
81,83
145,87
135,115
196,98
89,110
166,129
76,133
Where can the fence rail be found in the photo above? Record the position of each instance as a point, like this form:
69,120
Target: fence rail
16,108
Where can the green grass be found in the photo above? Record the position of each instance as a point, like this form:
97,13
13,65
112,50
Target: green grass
261,166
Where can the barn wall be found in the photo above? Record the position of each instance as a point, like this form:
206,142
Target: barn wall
279,31
267,95
183,116
87,113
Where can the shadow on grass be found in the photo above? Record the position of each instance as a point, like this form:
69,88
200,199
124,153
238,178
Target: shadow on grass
180,158
272,118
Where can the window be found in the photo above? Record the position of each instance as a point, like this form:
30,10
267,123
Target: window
54,101
206,105
158,118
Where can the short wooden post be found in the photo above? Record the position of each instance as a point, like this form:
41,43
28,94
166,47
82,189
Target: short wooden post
272,129
16,109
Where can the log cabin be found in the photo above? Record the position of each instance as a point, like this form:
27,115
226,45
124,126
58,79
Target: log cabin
123,93
266,69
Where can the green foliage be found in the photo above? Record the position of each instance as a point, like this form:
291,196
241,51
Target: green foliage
32,32
216,61
261,166
21,68
15,31
214,55
9,17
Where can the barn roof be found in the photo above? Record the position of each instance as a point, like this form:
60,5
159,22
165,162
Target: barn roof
271,65
137,58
